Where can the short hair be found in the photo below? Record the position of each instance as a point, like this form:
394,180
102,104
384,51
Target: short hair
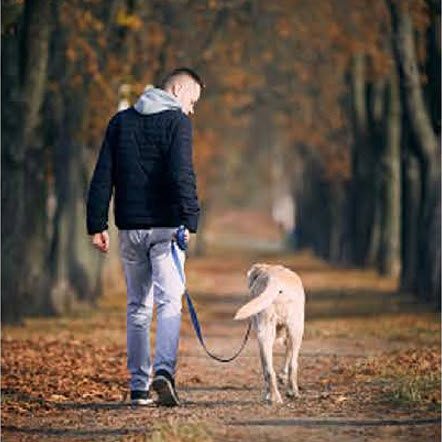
182,71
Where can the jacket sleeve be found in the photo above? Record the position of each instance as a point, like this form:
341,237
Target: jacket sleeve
182,173
100,189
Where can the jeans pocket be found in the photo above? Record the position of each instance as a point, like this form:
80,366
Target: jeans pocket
134,236
129,245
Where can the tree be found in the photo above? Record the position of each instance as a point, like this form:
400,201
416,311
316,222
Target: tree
424,145
24,72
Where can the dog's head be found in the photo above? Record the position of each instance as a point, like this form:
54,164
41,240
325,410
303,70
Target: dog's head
262,287
259,271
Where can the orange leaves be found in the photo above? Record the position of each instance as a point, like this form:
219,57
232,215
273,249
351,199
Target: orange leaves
127,20
206,153
236,78
284,28
411,362
155,34
81,18
38,373
71,54
421,14
289,56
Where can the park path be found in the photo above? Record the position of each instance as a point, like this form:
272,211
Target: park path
369,364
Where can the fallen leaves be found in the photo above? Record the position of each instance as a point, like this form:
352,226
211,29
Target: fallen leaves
407,378
41,371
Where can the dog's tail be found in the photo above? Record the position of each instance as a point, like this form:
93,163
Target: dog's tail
259,303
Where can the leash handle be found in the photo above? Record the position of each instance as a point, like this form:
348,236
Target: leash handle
194,316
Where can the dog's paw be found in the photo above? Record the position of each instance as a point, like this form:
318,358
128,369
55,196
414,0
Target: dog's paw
272,398
275,398
292,394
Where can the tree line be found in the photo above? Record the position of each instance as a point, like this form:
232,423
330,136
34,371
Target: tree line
343,98
387,215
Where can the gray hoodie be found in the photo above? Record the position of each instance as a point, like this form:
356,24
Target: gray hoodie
154,100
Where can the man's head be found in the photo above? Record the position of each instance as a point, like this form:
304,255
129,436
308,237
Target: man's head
185,85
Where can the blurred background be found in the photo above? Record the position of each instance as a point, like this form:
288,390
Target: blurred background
320,116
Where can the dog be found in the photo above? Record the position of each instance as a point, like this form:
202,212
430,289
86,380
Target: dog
277,308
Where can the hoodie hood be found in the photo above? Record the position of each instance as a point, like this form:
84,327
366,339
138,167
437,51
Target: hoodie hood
154,100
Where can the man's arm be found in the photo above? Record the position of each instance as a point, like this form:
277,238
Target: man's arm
100,190
182,173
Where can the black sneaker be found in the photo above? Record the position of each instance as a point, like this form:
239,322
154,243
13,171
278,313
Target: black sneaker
139,397
164,385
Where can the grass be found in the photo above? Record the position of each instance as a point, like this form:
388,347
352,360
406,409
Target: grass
408,378
418,390
171,431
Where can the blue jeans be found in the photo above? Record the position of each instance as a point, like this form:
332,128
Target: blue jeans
151,277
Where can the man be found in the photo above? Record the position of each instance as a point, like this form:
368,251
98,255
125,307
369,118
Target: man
146,157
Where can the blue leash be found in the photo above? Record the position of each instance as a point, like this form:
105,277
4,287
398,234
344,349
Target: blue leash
181,243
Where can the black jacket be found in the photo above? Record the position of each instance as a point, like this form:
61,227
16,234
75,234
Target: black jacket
147,159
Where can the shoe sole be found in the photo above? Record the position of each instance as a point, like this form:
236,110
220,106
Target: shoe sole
141,401
165,391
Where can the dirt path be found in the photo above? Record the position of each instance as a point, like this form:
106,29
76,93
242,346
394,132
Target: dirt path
369,366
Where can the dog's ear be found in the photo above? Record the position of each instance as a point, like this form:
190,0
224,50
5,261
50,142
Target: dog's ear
264,291
255,271
259,283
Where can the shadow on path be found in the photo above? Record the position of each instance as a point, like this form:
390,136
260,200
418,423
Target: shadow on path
336,422
64,432
93,406
211,388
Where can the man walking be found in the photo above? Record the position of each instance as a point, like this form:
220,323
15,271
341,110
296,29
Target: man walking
146,158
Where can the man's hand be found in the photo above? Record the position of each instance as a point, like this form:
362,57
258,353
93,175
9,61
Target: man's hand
186,236
101,241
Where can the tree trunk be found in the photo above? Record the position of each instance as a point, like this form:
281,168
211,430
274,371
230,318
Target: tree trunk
432,86
363,198
430,282
336,221
34,62
36,281
390,161
75,265
12,179
410,210
27,59
405,53
376,116
311,213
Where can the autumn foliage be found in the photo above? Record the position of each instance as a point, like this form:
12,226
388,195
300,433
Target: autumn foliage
298,102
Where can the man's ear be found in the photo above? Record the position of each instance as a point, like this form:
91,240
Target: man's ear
176,88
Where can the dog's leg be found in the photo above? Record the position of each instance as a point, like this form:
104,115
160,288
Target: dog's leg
260,336
295,340
266,338
266,394
284,374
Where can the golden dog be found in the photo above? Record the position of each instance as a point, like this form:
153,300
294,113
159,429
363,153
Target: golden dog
277,307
